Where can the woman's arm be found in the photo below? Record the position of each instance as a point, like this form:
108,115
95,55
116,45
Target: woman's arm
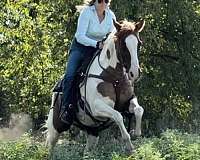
82,27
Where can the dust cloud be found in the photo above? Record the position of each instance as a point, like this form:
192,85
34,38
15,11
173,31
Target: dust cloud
18,125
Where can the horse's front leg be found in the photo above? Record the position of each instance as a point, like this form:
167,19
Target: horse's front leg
101,109
138,111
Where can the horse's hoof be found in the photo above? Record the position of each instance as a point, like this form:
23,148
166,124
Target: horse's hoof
130,151
134,134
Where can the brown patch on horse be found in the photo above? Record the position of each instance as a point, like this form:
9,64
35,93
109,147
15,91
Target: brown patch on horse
110,75
106,88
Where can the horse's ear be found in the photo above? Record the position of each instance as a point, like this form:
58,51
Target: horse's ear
139,26
117,25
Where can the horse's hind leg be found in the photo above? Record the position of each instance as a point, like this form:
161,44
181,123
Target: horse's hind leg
52,134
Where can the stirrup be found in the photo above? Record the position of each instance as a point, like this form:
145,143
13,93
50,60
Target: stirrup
66,118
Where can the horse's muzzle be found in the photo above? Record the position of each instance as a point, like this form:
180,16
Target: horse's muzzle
135,76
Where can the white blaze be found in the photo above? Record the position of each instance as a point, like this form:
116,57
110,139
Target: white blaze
132,44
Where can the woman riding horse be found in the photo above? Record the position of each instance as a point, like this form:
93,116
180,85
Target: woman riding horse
107,89
94,23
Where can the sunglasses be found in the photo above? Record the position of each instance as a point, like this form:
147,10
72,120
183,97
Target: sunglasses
100,1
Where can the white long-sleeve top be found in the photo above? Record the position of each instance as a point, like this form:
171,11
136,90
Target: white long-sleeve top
90,30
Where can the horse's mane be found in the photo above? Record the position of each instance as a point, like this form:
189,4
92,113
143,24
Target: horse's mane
126,29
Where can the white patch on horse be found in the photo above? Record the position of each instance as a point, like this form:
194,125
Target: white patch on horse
132,44
133,104
91,93
104,60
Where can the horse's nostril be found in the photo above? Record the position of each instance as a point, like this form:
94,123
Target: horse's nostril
131,73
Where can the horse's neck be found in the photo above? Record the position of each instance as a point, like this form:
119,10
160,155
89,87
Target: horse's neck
108,55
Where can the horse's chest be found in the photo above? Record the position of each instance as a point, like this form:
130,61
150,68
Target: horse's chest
123,91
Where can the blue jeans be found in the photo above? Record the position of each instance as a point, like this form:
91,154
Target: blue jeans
78,53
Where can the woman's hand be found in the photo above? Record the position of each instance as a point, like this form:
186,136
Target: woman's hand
99,45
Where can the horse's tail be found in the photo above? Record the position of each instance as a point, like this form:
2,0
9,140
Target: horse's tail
51,133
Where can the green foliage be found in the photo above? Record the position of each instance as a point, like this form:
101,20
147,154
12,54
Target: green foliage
147,151
172,145
23,149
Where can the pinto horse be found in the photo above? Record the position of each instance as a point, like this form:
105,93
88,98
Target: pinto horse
108,89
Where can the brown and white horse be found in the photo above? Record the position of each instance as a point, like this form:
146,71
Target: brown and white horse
110,81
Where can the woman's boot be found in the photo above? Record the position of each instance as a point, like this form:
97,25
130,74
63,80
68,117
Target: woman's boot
67,114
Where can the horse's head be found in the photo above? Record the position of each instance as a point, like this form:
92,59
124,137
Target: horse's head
127,44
